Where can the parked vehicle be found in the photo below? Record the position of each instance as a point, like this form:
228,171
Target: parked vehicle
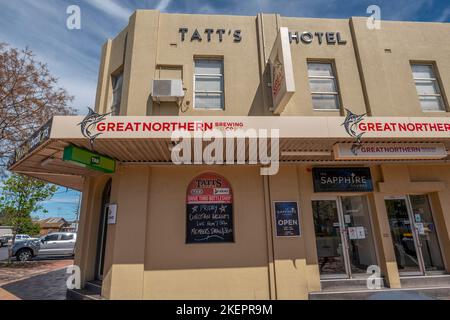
20,237
5,240
54,244
25,250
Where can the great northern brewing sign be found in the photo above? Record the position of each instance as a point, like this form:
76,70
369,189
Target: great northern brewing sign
209,210
385,151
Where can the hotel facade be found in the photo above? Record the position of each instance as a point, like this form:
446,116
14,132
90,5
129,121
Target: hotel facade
358,117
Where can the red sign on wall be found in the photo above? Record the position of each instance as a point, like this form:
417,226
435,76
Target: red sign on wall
209,188
209,210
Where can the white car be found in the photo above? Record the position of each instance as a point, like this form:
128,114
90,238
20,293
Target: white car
53,244
20,237
6,239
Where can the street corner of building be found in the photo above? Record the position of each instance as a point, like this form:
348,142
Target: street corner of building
257,157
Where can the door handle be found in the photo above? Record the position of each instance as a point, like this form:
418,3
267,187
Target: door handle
419,243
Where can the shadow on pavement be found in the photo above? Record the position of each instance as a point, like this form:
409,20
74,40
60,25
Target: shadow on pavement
48,286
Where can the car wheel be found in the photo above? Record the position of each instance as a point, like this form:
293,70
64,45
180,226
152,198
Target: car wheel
24,255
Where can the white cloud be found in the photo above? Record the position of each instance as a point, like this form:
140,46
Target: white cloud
445,16
163,4
66,200
112,8
82,89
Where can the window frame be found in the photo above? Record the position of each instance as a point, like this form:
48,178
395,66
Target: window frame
436,81
222,83
114,78
69,235
58,237
334,77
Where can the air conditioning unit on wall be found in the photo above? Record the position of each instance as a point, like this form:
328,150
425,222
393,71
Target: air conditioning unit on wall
170,90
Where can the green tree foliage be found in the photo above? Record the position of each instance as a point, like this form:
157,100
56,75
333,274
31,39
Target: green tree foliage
19,197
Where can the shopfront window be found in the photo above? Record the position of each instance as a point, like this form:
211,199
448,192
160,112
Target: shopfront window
322,82
208,83
414,235
361,247
344,237
117,81
330,247
427,86
426,230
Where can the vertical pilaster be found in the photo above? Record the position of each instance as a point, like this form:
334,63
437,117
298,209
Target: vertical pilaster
140,61
101,98
128,253
440,205
306,191
383,239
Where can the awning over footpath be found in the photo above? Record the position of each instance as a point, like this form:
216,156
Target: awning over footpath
148,140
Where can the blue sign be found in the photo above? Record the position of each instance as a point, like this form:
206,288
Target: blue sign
342,180
286,219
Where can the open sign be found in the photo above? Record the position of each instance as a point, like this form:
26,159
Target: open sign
286,218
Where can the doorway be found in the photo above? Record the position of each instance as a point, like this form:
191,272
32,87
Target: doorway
344,237
414,235
102,232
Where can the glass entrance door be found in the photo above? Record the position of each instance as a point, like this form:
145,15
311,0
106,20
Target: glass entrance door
403,236
329,240
344,236
427,234
361,248
414,235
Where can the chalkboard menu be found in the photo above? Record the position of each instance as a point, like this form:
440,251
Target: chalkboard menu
209,210
286,219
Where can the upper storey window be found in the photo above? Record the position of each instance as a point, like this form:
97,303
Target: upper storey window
117,81
322,82
208,84
427,87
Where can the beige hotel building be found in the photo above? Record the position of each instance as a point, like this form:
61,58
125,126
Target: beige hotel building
359,206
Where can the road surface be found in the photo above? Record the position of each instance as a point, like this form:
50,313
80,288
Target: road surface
3,253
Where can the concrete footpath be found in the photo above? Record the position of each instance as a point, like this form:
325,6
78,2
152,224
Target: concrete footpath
34,280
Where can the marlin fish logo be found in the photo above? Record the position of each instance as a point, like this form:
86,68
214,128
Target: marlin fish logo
89,124
351,126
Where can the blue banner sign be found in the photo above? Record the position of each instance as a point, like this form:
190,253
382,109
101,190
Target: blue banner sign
286,219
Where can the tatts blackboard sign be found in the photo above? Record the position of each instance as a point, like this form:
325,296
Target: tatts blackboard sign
209,210
286,219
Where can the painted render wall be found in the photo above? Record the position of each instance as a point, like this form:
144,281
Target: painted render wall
372,69
147,258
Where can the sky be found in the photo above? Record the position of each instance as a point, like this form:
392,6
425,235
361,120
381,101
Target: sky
73,55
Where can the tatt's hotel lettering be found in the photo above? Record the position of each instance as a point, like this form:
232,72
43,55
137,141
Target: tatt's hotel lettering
307,37
220,34
209,34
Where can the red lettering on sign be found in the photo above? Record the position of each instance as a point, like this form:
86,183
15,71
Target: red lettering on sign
214,189
101,126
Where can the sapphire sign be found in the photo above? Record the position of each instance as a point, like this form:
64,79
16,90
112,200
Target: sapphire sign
286,218
342,180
